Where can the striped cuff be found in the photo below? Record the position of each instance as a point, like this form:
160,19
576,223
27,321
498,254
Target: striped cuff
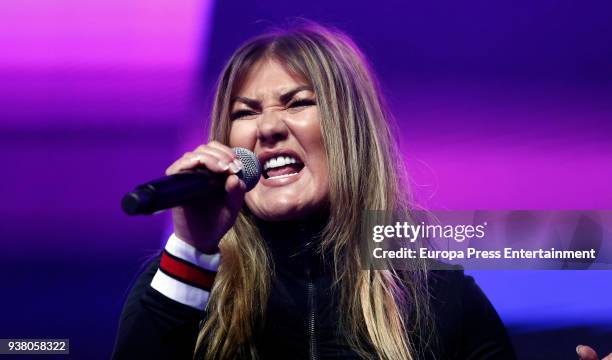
185,251
185,274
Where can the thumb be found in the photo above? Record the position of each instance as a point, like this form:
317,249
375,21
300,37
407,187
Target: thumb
586,352
235,189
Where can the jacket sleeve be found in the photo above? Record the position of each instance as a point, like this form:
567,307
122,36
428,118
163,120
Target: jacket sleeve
153,326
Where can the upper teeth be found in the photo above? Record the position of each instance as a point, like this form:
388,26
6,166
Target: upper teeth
278,162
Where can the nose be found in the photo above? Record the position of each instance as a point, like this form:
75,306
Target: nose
271,127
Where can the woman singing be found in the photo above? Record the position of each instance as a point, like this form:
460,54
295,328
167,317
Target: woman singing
289,282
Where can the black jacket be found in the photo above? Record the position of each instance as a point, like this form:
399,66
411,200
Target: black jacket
302,313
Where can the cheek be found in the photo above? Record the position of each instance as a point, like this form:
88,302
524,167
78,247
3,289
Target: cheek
315,148
307,130
312,140
243,134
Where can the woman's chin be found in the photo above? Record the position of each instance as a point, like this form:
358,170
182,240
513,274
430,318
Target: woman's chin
280,210
280,213
285,203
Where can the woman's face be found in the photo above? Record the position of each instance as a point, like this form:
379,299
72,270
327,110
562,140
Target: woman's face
275,115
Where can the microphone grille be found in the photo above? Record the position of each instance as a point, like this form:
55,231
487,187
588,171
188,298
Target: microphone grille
251,169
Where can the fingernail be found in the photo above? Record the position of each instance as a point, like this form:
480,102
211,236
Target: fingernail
223,165
235,166
578,348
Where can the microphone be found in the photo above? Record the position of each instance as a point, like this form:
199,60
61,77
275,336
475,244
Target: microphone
174,190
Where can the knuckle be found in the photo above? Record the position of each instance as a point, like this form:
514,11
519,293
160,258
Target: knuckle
220,146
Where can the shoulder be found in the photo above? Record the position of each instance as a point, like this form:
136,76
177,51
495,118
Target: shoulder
445,295
466,323
446,288
457,296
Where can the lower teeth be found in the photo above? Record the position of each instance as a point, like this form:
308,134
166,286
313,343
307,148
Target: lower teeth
282,176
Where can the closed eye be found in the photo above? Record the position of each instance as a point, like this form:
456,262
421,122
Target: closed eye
302,102
241,113
293,105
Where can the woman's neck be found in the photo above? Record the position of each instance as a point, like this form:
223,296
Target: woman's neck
294,240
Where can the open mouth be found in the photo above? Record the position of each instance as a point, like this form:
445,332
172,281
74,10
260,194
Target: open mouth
281,166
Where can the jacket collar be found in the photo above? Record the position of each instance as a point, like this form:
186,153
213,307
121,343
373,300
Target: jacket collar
295,245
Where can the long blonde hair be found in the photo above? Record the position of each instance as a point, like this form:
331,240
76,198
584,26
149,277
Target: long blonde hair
381,308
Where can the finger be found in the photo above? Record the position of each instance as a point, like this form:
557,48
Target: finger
586,352
223,154
173,168
609,357
235,189
224,148
190,161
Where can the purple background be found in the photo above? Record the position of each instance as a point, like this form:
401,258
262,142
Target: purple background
500,105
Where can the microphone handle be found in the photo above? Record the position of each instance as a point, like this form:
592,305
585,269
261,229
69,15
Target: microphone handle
170,191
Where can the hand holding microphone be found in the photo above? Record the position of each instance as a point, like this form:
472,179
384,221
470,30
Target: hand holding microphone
205,189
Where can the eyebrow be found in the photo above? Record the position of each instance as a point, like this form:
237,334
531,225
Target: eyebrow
284,98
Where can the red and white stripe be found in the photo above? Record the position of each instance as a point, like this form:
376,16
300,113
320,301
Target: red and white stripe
185,274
